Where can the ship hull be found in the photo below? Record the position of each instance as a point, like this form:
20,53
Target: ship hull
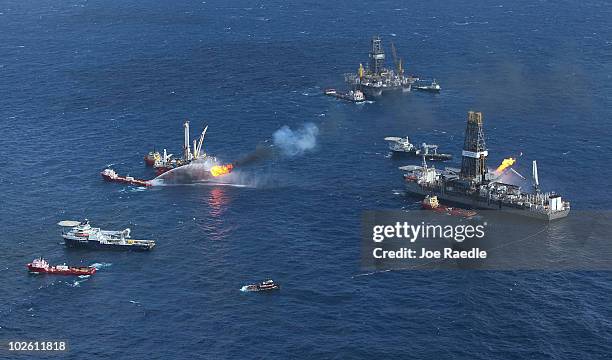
375,91
480,203
54,271
412,153
344,96
96,245
123,180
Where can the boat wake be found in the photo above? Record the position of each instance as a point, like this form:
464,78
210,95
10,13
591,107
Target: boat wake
77,283
99,266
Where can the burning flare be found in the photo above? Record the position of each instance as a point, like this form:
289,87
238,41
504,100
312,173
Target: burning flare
219,170
506,163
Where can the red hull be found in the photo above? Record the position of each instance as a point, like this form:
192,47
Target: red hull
149,161
55,271
125,180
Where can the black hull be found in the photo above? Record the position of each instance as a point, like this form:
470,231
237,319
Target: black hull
412,154
95,245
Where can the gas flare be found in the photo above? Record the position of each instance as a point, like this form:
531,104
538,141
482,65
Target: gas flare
219,170
506,163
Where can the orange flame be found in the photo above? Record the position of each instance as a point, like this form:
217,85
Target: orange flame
506,163
219,170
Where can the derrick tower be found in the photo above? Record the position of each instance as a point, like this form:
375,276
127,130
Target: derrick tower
474,154
377,55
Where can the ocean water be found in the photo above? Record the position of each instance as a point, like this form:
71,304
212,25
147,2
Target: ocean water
86,84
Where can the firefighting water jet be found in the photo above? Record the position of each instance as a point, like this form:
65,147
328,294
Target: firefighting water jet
203,168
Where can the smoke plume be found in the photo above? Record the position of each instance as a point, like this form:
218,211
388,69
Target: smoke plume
293,143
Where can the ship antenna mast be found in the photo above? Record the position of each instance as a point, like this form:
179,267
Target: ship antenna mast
536,180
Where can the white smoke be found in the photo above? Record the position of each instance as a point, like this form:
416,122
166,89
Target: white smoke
293,143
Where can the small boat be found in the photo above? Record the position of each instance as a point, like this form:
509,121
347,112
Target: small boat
431,203
433,87
41,266
262,286
112,176
353,95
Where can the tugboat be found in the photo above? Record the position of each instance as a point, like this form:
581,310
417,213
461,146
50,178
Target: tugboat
152,157
356,96
82,235
431,203
433,87
112,176
262,286
41,266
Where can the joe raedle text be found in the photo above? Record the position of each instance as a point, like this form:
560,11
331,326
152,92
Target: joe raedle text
425,241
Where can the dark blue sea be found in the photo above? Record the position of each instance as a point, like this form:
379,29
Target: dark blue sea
88,84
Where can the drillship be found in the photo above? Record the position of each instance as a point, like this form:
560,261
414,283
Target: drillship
475,186
83,235
377,79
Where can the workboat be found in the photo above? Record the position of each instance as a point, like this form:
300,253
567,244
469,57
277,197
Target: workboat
41,266
403,146
81,234
352,95
432,203
430,152
432,87
262,286
112,176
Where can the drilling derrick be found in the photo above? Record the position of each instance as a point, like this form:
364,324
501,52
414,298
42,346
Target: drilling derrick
474,154
377,56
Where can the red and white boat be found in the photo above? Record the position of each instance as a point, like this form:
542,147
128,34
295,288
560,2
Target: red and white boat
431,203
112,176
41,266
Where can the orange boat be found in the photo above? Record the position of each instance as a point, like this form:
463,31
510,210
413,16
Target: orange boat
431,203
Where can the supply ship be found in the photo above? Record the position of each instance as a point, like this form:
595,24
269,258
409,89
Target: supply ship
378,79
41,266
352,95
433,87
475,186
402,146
82,235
